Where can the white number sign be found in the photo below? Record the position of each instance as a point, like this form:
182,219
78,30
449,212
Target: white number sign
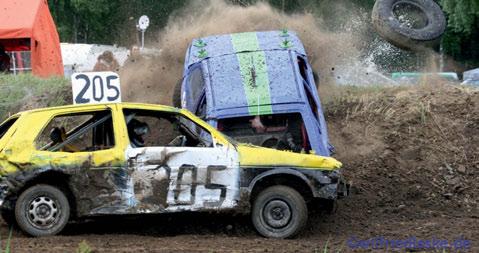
96,87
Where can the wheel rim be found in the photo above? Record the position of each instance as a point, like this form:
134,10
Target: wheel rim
43,212
277,214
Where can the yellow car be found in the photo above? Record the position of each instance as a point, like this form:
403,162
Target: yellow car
61,163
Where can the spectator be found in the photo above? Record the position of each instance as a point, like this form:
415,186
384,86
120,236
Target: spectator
4,61
106,62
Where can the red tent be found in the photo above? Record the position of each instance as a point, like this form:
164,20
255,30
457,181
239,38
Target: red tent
27,25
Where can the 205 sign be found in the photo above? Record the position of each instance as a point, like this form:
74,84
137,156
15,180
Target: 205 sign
96,87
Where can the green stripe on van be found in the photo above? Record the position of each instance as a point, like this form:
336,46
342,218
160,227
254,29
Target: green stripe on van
254,72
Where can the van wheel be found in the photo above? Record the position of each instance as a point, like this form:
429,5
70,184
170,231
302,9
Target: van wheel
409,24
279,212
42,210
176,98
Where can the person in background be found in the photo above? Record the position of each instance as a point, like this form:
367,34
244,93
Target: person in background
106,62
4,61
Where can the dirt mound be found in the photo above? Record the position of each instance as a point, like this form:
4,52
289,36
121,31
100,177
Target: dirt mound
409,151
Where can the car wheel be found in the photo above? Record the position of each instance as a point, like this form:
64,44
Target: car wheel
42,210
409,24
176,98
279,212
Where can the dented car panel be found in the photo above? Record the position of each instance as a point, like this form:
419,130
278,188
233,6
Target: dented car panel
258,156
112,176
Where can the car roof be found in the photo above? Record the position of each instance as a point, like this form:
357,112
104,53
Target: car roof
218,45
266,79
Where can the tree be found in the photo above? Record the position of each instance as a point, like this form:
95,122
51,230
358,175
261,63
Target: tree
461,39
462,15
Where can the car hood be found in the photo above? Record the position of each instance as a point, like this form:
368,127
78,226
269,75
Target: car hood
251,155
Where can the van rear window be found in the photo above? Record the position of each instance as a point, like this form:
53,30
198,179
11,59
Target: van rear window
6,125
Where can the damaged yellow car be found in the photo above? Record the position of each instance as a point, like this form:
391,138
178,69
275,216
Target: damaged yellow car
64,163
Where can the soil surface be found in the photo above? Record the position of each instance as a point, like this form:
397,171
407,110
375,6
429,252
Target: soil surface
411,155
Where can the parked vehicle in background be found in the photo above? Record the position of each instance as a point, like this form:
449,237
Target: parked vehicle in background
415,77
62,163
471,77
256,87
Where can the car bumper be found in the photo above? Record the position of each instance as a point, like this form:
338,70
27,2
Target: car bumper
329,184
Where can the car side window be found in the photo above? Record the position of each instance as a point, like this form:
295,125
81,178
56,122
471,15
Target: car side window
303,69
201,111
78,132
148,128
196,82
6,125
312,103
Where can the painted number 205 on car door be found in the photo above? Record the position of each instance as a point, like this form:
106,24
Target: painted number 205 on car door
176,164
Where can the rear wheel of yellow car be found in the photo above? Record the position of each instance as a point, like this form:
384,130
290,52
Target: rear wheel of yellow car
279,212
42,210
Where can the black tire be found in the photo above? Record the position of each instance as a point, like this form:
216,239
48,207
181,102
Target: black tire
279,212
403,35
176,98
42,210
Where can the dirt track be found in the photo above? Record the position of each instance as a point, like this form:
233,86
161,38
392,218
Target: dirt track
158,234
411,154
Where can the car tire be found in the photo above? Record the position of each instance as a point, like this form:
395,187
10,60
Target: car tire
279,212
176,98
390,28
42,210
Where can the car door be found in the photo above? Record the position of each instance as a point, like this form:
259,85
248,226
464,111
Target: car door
83,143
176,165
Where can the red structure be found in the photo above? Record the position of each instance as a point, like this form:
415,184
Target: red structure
27,31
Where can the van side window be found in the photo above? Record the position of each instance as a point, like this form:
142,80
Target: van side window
312,103
307,85
162,129
303,69
201,111
79,132
6,125
196,83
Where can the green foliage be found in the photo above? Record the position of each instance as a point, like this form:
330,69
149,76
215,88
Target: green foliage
7,247
113,22
462,15
108,22
461,39
27,91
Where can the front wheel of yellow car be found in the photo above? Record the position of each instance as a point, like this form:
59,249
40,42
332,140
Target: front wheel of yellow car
42,210
279,212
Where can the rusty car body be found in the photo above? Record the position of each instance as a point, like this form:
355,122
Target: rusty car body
63,163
